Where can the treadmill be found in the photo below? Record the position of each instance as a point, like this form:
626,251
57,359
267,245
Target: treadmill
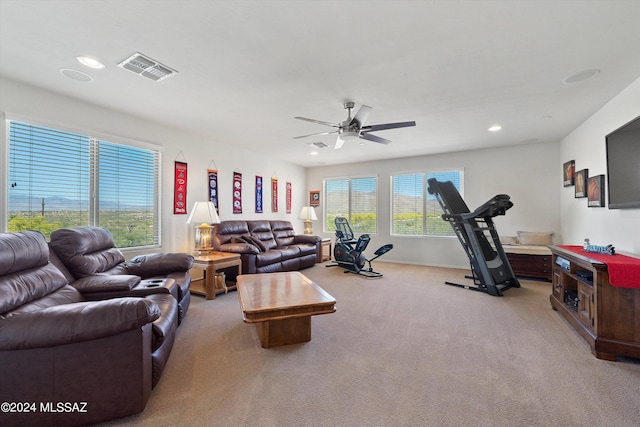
491,271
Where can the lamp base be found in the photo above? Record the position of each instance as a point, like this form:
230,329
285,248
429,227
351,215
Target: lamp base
307,227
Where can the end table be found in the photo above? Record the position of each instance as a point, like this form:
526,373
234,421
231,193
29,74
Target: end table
209,264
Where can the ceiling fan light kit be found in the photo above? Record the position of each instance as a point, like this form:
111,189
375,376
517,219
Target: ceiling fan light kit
353,128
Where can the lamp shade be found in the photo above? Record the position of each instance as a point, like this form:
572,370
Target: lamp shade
203,212
308,213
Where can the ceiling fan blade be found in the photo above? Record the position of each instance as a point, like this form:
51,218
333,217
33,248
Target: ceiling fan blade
339,143
361,116
374,128
315,134
317,121
374,138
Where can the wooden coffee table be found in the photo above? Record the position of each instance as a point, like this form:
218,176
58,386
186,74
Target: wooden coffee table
281,306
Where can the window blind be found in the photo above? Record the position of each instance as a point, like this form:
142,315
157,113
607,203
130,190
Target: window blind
65,179
414,211
354,199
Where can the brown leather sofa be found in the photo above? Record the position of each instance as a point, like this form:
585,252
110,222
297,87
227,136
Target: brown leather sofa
267,246
89,251
65,360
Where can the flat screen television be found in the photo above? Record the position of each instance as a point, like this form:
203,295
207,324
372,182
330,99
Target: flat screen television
623,166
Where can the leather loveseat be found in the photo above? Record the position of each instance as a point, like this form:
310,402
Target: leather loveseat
65,360
267,246
89,251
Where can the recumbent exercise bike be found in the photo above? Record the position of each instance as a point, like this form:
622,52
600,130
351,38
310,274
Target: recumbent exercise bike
348,252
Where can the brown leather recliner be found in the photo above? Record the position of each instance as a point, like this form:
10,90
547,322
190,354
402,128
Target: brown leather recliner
89,251
57,348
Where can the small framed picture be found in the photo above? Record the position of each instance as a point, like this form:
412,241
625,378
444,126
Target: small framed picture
314,198
581,183
595,191
568,173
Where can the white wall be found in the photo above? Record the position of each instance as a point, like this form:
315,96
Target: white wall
527,173
198,152
586,145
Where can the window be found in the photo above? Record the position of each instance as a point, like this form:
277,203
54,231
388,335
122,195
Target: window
66,179
353,198
415,212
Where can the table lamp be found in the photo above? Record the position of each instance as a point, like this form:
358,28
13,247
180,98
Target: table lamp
204,214
308,214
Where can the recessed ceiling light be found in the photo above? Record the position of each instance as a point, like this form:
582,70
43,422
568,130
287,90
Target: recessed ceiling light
494,128
581,76
76,75
314,153
90,62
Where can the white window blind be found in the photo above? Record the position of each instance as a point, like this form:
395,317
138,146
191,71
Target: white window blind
354,199
415,212
65,179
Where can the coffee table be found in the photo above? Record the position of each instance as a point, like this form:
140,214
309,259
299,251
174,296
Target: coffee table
281,306
209,264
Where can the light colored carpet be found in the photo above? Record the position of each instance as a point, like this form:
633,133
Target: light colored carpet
403,350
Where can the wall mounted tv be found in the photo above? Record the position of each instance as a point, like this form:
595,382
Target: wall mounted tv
623,166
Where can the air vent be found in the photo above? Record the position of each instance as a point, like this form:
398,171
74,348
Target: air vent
319,144
146,67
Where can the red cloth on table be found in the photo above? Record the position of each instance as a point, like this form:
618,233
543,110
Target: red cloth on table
624,271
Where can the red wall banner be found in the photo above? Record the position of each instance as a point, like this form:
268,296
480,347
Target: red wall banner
180,189
274,194
288,197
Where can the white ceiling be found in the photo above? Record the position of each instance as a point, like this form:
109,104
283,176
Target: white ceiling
246,68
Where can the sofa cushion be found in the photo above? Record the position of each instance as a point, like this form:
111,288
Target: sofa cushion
289,252
22,251
88,251
283,232
26,274
306,249
269,257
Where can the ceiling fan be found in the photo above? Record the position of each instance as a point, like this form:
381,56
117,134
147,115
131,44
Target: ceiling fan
353,128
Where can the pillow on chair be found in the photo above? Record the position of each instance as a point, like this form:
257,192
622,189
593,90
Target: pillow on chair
535,238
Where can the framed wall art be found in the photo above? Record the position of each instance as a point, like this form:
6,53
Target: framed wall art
314,198
595,191
568,173
581,183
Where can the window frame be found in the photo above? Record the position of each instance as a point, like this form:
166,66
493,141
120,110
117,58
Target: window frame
424,174
95,138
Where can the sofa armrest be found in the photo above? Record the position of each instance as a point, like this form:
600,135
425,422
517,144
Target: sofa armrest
113,283
71,323
159,263
239,248
307,238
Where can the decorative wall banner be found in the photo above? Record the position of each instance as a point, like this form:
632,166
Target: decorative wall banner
213,188
258,194
288,195
237,193
314,198
180,189
274,194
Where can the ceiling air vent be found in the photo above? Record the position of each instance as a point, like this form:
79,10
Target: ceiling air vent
146,67
319,144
